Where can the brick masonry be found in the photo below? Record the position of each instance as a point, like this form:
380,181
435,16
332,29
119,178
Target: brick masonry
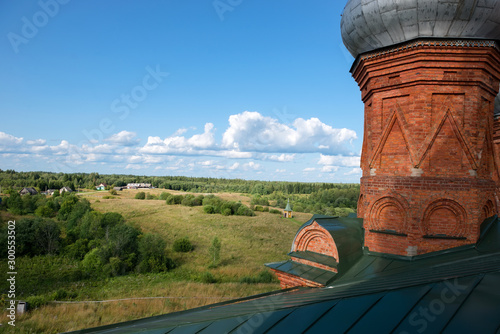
431,146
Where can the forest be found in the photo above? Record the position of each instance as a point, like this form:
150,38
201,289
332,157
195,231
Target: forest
317,198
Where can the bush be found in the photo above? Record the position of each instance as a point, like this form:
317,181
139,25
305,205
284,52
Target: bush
208,278
151,196
113,192
210,209
175,199
164,195
183,245
227,212
60,294
44,211
152,255
36,301
140,195
244,211
275,211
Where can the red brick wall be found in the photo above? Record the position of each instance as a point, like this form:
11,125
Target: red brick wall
290,281
315,238
430,166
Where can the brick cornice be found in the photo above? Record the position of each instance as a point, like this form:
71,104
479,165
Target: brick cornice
458,43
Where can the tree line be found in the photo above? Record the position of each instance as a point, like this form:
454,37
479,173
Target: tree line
11,179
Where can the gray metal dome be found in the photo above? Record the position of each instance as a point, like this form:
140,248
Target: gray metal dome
371,24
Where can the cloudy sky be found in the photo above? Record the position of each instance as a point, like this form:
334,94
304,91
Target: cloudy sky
227,88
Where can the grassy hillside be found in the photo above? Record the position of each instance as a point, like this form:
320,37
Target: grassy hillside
247,243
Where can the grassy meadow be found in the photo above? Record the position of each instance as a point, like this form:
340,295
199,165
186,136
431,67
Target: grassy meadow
247,243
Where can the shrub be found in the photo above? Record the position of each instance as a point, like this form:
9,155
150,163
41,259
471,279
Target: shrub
259,208
183,245
36,301
92,263
151,196
208,278
245,211
140,195
44,211
175,199
164,195
60,294
275,211
152,255
227,212
210,209
113,192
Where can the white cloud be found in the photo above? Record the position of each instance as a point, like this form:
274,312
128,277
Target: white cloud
280,170
37,142
329,169
252,165
339,160
309,169
354,171
282,158
124,138
253,132
9,143
177,144
135,167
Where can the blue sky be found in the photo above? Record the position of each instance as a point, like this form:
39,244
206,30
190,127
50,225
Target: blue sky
226,88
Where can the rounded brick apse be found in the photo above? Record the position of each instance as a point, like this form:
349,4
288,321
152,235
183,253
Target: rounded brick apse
315,238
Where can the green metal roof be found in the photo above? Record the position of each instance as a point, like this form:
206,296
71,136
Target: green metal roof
455,291
311,273
316,257
288,207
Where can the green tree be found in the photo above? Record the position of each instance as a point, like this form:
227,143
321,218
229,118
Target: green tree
214,252
152,255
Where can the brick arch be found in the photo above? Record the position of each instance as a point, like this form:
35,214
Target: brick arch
315,238
361,206
445,216
389,213
488,210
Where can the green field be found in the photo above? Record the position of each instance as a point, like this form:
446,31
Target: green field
247,243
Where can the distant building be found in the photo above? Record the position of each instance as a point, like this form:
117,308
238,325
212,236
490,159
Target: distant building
64,189
102,186
138,185
51,192
28,191
118,188
287,213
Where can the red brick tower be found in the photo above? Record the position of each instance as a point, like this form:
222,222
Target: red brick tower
429,82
